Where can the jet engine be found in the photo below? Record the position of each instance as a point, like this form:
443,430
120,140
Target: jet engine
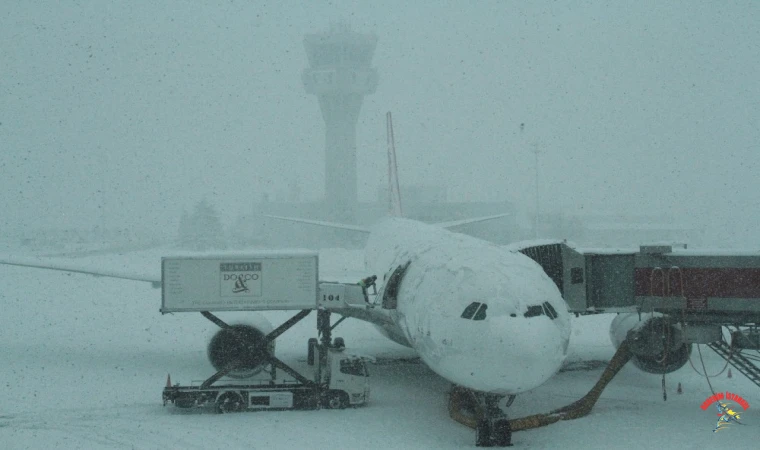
243,347
655,340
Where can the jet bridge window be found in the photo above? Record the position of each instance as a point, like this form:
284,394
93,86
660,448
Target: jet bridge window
475,311
576,275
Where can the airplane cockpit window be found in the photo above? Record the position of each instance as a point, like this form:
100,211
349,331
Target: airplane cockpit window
544,309
534,311
481,313
475,311
470,310
550,311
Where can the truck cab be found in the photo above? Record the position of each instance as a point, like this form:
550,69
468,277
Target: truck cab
347,379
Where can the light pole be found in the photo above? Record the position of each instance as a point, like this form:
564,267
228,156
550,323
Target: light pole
536,151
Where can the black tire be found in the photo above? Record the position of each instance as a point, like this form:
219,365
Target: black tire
229,402
338,342
501,433
483,433
336,400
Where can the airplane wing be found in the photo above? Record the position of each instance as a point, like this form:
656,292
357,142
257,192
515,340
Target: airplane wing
346,226
69,266
394,191
322,223
456,223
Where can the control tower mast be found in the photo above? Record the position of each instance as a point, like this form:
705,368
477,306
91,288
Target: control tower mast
340,75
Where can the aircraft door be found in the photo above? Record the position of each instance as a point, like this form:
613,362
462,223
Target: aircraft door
392,286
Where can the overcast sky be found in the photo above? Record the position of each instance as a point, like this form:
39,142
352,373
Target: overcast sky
125,113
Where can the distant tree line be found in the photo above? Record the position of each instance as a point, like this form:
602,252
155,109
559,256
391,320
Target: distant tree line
202,229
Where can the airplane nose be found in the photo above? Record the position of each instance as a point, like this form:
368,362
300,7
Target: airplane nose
504,355
535,349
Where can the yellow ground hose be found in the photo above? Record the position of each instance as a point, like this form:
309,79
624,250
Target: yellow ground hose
464,408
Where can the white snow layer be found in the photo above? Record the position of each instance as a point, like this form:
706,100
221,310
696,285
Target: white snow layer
84,361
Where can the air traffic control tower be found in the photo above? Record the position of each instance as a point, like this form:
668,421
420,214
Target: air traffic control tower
340,75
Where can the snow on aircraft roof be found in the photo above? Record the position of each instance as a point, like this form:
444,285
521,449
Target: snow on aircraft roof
269,253
676,251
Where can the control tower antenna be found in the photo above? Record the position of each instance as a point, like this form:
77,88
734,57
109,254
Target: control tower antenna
340,75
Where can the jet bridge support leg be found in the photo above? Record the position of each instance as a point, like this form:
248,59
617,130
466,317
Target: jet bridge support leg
323,327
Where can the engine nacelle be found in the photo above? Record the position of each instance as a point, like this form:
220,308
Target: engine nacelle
238,345
656,342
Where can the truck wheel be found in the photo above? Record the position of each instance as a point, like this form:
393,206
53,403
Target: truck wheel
229,402
336,400
339,343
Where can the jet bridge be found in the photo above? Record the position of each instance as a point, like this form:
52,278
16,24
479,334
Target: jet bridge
688,294
701,286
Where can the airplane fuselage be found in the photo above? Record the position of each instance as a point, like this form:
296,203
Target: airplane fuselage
478,315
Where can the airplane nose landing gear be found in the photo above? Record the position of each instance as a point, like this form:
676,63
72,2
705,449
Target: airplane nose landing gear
481,411
493,428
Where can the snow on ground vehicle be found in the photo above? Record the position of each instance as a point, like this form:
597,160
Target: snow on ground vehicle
249,375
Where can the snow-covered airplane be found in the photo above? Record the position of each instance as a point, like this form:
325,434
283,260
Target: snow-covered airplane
479,315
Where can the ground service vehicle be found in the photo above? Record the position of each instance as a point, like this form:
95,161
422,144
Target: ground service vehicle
344,382
248,374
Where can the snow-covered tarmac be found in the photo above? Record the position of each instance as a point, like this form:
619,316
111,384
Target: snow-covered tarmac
84,360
